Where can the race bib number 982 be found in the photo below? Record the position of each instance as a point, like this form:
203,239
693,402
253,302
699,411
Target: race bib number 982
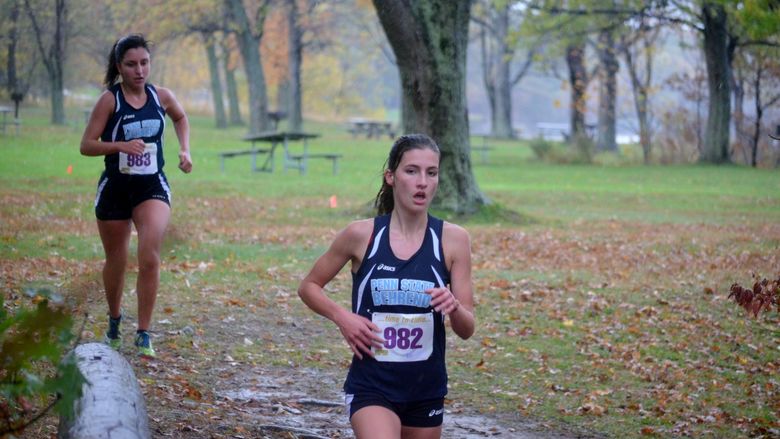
145,163
408,337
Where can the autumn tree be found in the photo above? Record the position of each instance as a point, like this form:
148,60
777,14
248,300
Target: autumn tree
429,40
604,26
229,65
211,45
249,33
208,20
638,50
294,61
498,49
569,33
759,71
51,30
724,26
20,58
718,53
309,28
756,70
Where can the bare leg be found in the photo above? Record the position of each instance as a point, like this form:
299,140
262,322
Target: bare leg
115,235
376,422
151,219
421,433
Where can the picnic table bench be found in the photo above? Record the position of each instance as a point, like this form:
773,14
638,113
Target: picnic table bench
371,128
560,131
299,161
4,122
483,149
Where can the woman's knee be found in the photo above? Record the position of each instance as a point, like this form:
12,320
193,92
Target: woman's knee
148,261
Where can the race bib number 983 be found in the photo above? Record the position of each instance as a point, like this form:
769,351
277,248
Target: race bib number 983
145,163
408,337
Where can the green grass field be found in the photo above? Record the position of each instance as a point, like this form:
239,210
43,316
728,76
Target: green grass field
605,309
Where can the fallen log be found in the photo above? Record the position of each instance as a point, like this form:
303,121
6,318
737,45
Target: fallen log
112,405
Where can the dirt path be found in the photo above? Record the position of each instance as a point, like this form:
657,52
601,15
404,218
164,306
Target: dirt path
307,403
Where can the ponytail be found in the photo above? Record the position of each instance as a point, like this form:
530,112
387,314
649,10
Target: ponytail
384,202
112,72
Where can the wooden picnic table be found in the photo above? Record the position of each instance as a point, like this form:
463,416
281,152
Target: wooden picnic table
275,139
371,128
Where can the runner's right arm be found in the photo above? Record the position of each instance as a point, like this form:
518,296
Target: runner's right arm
91,145
359,332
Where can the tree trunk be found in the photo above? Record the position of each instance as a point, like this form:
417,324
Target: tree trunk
738,91
216,84
639,90
112,405
57,90
283,96
429,40
496,57
13,39
716,135
759,115
234,109
578,81
605,140
249,46
54,55
295,56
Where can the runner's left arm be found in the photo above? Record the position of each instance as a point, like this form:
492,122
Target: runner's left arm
457,300
181,124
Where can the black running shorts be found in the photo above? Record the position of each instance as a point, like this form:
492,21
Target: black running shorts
118,194
422,414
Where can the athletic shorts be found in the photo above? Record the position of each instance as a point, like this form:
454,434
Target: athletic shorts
118,195
424,413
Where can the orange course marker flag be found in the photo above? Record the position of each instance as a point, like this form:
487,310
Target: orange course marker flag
70,169
334,202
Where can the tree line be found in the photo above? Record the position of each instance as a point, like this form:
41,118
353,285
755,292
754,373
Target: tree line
586,42
739,42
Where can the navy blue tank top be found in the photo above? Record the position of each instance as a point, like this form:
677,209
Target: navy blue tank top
391,292
127,123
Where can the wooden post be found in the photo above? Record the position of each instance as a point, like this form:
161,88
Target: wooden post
112,405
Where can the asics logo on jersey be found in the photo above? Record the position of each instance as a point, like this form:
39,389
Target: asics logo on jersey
385,267
435,412
128,116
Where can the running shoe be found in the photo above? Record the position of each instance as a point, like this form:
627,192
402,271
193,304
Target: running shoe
144,344
112,335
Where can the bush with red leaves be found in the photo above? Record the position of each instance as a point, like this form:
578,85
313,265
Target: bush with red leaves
765,295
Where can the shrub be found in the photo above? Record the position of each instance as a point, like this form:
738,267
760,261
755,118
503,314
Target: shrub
764,296
541,148
581,151
584,148
35,374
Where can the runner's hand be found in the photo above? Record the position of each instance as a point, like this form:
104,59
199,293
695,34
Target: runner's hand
443,301
134,147
185,162
361,334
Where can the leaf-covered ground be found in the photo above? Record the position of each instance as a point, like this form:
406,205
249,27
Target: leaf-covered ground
601,327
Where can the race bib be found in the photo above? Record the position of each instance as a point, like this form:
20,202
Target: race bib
408,337
135,164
